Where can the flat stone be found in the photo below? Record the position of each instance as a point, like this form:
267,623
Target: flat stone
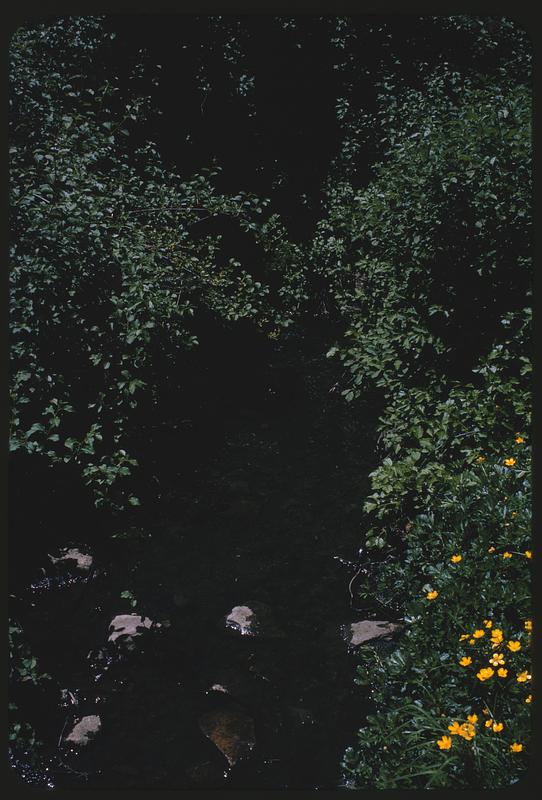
231,730
84,731
128,626
254,620
73,557
370,630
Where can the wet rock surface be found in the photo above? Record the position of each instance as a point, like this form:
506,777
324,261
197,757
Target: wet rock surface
255,620
231,730
84,731
366,631
126,627
73,558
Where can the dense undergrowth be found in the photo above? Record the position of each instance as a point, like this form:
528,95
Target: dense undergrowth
421,251
440,322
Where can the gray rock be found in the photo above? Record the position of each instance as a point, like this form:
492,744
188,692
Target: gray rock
254,620
127,626
73,557
370,630
231,730
84,731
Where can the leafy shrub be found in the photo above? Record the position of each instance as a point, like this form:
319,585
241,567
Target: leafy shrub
435,290
23,670
465,574
109,272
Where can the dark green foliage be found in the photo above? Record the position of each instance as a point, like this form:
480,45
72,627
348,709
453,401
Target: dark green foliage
108,267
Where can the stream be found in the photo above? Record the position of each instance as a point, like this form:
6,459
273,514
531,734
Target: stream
268,519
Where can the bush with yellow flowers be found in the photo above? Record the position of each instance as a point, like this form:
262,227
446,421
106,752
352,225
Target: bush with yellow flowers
452,702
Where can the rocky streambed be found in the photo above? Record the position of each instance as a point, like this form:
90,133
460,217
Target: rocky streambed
214,645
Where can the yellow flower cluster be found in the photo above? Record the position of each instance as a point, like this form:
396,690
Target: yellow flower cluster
509,462
455,559
497,659
432,595
466,730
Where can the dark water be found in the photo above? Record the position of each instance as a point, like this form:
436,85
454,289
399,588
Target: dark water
261,519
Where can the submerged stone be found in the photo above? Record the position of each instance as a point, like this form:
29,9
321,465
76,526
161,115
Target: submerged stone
231,730
370,630
254,620
84,731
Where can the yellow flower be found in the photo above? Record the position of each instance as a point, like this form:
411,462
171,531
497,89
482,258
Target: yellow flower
502,672
523,676
465,661
480,459
514,646
507,555
485,673
509,462
485,712
488,723
454,728
432,595
471,641
464,636
514,514
496,659
515,747
488,623
491,549
479,633
467,731
497,727
445,743
473,718
519,439
496,637
456,558
528,554
528,624
529,698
